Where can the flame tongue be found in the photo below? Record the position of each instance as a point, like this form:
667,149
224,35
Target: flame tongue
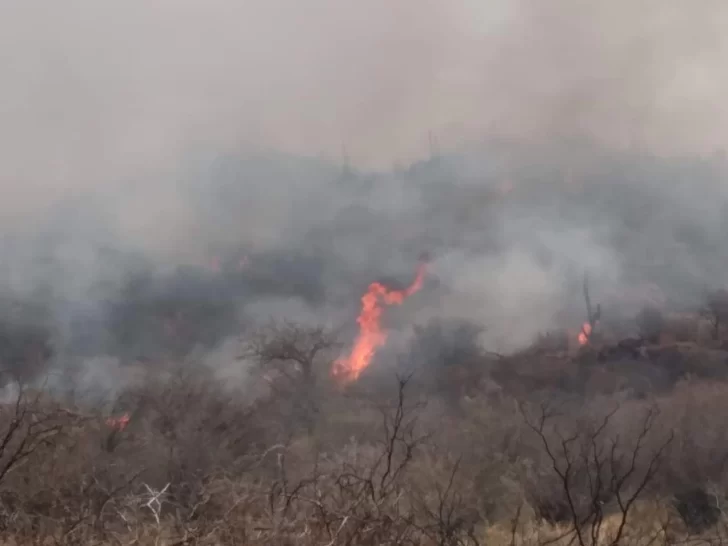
586,330
371,335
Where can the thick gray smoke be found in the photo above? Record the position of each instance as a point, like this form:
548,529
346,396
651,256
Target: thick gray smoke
174,171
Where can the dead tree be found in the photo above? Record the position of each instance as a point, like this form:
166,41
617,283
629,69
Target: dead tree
293,358
29,424
598,474
291,349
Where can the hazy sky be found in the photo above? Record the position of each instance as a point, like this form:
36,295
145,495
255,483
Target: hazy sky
112,96
91,91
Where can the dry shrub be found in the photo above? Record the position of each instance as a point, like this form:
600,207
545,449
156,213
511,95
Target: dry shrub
158,485
697,411
201,463
651,524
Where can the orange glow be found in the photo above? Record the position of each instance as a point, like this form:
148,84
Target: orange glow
371,335
586,330
118,423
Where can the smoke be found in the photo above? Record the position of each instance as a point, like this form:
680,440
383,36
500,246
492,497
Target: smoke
93,93
149,144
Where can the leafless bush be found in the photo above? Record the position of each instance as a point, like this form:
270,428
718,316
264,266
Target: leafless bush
35,432
447,504
295,360
200,463
362,495
357,498
597,472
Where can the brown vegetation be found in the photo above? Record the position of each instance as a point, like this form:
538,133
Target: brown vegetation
604,445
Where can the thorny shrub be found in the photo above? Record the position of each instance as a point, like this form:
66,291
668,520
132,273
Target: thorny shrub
201,463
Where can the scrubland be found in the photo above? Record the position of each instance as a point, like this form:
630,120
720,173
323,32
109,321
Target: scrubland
553,445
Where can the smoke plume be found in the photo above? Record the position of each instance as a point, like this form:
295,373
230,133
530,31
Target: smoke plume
175,171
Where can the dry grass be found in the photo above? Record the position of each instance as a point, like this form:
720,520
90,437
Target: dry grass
381,463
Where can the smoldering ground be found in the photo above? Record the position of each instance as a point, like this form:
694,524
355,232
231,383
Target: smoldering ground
137,170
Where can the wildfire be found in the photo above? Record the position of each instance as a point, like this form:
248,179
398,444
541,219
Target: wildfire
118,423
586,331
371,335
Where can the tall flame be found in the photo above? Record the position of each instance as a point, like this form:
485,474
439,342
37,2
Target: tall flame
371,335
586,330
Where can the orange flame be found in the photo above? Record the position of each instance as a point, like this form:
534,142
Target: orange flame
118,423
586,331
371,334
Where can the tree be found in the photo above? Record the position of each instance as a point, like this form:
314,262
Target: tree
28,424
292,357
